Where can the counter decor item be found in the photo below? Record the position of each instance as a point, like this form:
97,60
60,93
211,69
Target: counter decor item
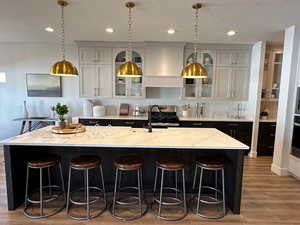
69,129
98,111
124,109
88,108
61,111
264,115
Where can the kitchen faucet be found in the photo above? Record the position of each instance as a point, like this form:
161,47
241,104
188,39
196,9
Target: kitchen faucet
150,117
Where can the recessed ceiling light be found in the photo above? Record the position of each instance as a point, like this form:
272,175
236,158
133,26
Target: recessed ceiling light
49,29
231,33
171,31
109,30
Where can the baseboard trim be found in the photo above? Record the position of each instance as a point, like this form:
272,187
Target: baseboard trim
252,154
279,171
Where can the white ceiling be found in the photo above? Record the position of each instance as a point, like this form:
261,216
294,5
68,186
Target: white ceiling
25,20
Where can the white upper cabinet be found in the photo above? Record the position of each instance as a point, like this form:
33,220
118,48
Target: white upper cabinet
127,87
239,58
95,66
88,81
232,83
95,55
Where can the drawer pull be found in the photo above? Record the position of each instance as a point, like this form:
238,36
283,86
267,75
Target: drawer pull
129,123
197,124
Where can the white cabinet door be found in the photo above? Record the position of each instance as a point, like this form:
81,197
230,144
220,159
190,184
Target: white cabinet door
105,80
88,81
87,55
95,55
241,58
103,56
224,58
223,82
239,83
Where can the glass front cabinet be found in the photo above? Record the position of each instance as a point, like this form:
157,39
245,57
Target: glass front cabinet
200,88
128,87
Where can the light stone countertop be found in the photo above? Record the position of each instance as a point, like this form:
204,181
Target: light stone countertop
213,119
116,117
125,137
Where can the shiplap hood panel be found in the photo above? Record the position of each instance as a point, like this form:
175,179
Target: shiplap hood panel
163,64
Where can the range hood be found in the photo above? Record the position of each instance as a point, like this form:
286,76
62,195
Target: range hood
163,64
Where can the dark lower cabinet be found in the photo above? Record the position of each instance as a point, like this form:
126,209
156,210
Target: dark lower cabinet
241,131
266,138
116,122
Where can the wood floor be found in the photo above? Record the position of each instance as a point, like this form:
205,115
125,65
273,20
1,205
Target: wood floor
267,200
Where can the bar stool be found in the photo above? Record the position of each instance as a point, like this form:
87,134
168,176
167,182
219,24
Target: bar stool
208,198
86,163
54,191
170,165
128,164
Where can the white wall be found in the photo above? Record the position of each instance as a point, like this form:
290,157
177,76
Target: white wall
21,58
288,83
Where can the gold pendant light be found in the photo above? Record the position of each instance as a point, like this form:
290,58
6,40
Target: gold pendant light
195,69
129,68
63,68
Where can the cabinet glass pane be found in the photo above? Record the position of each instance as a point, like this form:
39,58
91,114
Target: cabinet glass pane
122,84
276,80
208,63
136,83
190,88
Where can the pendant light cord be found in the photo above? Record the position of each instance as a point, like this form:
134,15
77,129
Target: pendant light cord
63,50
129,49
196,34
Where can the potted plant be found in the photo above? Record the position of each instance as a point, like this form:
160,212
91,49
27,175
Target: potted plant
264,115
61,111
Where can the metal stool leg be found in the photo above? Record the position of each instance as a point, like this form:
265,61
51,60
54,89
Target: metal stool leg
176,183
49,181
103,186
68,193
41,192
195,176
199,193
139,191
155,182
183,188
62,181
26,189
161,192
87,193
223,190
115,193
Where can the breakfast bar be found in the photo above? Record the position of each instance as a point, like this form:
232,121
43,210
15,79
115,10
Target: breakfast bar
110,142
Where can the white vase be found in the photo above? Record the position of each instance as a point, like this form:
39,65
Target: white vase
25,111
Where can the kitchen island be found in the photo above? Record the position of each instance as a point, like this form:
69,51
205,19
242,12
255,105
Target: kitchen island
111,142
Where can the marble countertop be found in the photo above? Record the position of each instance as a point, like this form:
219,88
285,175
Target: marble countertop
116,117
125,137
213,119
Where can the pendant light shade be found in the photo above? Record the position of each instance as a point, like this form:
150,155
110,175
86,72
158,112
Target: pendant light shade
195,70
63,67
129,68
